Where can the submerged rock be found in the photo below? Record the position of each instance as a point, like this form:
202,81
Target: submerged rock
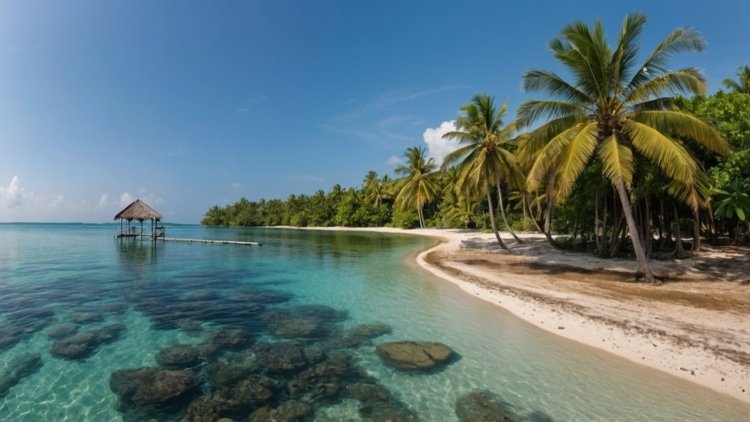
151,385
226,374
179,356
235,401
61,331
84,344
261,296
359,335
292,411
85,317
17,370
302,322
369,393
415,356
485,406
282,358
230,338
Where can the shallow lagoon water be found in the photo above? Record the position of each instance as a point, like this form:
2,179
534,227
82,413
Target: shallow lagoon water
63,269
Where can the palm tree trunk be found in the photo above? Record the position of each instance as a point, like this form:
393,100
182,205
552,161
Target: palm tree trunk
696,231
502,212
531,214
679,252
421,217
643,267
548,212
492,220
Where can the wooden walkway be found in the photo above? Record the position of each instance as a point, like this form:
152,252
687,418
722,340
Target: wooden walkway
220,242
188,240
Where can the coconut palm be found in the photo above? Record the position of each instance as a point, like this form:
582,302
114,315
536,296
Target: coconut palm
613,110
483,158
742,84
417,187
375,190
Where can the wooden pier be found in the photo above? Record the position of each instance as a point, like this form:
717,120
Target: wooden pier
187,240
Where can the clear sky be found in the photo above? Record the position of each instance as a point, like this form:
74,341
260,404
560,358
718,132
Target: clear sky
189,104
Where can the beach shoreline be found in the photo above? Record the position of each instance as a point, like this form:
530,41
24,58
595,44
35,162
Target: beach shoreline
692,327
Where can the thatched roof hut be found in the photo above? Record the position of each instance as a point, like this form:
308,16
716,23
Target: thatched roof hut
139,211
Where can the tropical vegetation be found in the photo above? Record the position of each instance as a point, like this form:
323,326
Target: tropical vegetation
619,157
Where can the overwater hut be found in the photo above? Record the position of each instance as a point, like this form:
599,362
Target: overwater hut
139,211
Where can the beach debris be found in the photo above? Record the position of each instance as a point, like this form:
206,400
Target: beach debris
485,406
151,385
414,355
84,344
18,369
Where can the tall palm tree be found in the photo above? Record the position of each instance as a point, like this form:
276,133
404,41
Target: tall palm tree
612,110
484,158
742,84
417,187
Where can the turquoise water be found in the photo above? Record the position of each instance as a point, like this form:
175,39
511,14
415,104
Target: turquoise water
50,274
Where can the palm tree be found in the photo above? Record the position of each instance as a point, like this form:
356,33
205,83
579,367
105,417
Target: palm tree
417,187
375,190
613,110
742,84
485,160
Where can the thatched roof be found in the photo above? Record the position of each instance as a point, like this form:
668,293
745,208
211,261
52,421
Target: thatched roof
138,210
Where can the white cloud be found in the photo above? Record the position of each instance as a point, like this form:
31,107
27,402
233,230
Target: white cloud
235,185
437,147
126,199
394,160
13,194
103,200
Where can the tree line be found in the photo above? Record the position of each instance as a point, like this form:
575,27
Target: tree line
623,156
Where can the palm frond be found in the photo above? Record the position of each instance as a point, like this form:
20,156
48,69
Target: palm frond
554,85
684,125
529,145
548,156
681,39
532,110
574,158
617,160
683,81
626,52
670,156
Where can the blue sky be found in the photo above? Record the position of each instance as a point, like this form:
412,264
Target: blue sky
190,104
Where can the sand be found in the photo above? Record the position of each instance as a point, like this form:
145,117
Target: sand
696,325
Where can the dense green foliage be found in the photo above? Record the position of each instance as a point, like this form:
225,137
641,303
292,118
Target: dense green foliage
616,156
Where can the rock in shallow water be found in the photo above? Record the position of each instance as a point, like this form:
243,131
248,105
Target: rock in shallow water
17,370
61,331
415,356
302,322
234,401
485,406
151,385
282,358
179,356
84,344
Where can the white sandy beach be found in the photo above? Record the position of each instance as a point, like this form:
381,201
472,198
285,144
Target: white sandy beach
695,326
